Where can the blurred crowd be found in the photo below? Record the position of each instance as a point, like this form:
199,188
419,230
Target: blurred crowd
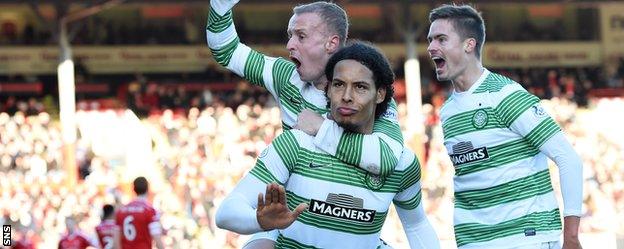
201,153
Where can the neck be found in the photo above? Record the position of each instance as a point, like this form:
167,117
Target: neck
320,83
367,129
471,74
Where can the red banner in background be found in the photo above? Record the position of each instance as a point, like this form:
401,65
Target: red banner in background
18,87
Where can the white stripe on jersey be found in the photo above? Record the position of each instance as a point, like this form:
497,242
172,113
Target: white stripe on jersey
496,214
514,240
501,174
219,40
238,66
325,238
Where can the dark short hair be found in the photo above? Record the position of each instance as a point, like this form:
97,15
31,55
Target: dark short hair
373,59
107,211
140,185
466,20
333,15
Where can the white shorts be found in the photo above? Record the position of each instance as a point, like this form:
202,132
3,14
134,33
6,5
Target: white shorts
543,245
273,234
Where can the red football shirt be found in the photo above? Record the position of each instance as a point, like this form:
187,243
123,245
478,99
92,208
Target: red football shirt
138,221
105,232
75,240
23,244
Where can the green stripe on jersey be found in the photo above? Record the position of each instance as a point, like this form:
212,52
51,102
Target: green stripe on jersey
393,130
519,189
411,175
539,221
319,110
334,224
388,161
254,67
261,172
224,55
284,242
500,155
217,23
287,148
350,148
493,83
542,132
514,105
290,98
463,123
282,70
331,169
285,127
411,203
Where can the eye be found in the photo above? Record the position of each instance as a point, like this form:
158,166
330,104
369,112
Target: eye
361,87
337,83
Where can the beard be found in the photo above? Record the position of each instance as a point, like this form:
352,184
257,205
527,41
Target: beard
350,127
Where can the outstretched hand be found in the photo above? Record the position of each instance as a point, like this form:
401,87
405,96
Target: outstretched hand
272,212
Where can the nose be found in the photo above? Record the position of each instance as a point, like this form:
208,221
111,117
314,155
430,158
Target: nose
290,45
432,47
347,94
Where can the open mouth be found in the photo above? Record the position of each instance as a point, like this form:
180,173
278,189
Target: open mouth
296,61
439,62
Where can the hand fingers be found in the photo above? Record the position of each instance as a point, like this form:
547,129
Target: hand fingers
260,202
282,195
267,195
302,207
275,193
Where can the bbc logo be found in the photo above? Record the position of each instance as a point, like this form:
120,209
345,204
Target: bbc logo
6,235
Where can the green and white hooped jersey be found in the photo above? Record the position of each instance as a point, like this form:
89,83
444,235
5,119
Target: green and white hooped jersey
503,192
377,153
347,206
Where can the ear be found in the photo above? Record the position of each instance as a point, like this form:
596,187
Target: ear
470,45
332,44
381,95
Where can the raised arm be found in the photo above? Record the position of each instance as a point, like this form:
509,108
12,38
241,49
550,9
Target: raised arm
237,57
408,203
376,153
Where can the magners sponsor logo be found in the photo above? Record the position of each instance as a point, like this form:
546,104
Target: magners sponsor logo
464,152
343,207
470,156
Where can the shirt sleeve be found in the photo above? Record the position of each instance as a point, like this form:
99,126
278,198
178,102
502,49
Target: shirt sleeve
377,153
408,203
227,50
522,113
570,167
237,212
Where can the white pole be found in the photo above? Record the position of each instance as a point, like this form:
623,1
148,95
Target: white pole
67,104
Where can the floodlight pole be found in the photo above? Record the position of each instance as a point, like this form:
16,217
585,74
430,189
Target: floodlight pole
67,93
415,122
